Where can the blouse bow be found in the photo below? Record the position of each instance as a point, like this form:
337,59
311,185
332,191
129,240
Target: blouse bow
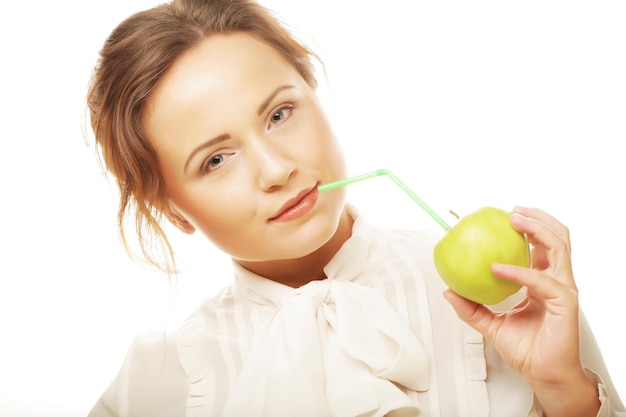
332,348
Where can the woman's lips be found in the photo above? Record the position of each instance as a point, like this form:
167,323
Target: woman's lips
297,206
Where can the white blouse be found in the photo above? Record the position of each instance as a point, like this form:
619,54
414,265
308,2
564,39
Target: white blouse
375,339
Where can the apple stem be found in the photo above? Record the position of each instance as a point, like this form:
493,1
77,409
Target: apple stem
396,180
454,214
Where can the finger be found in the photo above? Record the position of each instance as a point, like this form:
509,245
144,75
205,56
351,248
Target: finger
476,315
551,222
556,249
540,285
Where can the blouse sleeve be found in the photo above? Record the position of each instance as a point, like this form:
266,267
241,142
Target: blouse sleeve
611,404
150,381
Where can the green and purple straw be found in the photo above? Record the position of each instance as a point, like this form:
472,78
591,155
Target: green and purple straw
396,180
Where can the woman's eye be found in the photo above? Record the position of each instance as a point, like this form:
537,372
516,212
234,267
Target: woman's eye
281,114
213,163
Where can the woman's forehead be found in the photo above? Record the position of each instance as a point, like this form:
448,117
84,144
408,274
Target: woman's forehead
223,62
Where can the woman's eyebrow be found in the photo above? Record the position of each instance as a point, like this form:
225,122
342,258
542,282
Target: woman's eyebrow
269,99
208,143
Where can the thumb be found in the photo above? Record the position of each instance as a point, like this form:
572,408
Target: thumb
475,315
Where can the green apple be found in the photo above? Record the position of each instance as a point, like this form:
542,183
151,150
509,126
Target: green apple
464,254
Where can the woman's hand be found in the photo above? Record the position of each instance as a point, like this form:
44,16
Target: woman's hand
539,337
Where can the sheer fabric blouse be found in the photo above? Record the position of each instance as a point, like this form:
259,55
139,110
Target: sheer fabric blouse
374,339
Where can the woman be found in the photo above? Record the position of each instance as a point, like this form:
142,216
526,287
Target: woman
206,114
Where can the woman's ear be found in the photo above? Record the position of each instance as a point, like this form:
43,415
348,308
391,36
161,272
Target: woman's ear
177,219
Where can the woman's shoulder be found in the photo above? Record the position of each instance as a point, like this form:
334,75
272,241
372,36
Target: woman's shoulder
151,379
205,315
159,364
153,347
199,336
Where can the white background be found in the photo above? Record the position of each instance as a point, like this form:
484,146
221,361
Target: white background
470,103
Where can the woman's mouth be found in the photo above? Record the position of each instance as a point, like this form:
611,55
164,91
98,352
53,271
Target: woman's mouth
298,206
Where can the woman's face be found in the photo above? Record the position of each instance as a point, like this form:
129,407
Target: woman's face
243,143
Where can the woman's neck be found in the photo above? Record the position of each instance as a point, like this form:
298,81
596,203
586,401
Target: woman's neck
300,271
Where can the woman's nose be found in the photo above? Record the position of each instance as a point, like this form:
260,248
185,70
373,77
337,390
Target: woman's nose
273,165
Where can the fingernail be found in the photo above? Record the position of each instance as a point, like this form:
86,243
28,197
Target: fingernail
517,217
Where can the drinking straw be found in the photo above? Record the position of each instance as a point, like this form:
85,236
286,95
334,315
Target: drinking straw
396,180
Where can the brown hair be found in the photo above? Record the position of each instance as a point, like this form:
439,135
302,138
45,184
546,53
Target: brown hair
132,61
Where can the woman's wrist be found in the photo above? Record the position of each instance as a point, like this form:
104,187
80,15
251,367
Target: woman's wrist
575,397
